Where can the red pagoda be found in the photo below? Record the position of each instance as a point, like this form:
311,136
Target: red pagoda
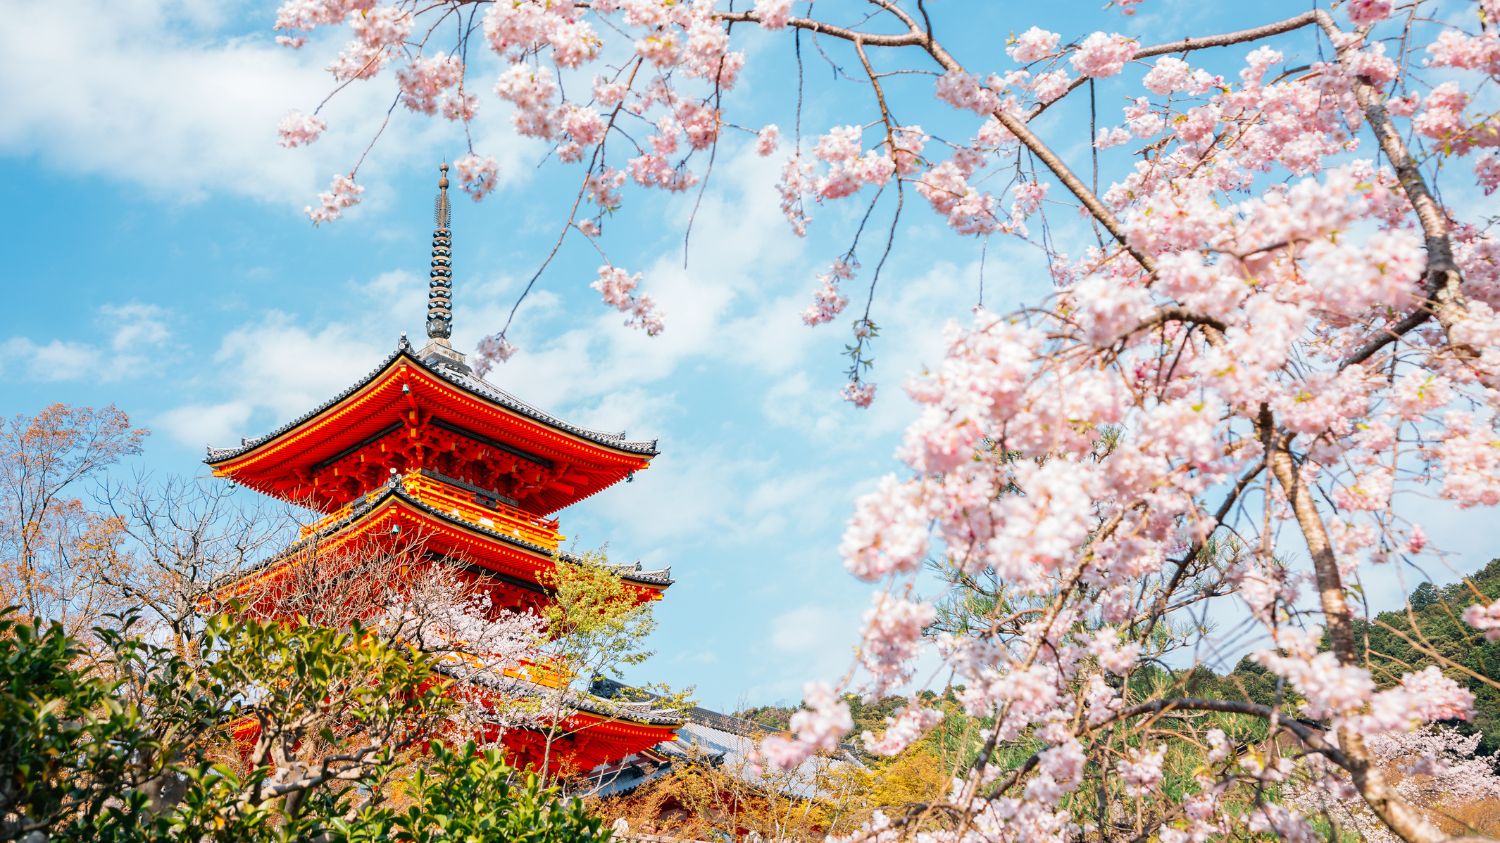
424,446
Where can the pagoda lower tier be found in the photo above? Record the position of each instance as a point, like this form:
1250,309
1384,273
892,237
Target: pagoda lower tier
418,520
593,731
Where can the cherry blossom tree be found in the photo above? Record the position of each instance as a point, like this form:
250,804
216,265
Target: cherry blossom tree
1281,334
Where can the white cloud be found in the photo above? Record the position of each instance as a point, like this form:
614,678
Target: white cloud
149,92
280,367
135,325
136,332
207,424
272,370
813,641
731,259
56,360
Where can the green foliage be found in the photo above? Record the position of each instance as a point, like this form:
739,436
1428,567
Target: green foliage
59,730
1396,642
597,621
263,732
1434,633
466,795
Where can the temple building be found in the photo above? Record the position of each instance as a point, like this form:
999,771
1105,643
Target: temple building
424,446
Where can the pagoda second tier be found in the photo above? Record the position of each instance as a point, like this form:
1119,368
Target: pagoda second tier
418,413
507,552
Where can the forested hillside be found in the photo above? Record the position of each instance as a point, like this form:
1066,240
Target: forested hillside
1395,642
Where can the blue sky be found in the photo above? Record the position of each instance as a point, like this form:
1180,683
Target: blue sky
156,257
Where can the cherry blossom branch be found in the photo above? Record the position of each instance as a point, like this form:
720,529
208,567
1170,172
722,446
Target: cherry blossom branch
1185,45
1444,299
1396,812
1015,125
595,159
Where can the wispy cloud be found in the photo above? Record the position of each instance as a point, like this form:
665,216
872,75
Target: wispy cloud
134,334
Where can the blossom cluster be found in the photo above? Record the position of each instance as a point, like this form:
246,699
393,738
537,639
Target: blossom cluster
617,287
343,193
818,727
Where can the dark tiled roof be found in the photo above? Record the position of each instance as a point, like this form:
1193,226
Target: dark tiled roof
466,381
610,689
632,712
634,572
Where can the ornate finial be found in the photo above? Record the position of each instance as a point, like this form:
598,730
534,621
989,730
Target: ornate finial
440,288
441,211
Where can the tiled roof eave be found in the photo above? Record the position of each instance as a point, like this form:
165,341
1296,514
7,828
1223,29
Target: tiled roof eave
484,389
218,455
580,702
396,490
660,577
474,386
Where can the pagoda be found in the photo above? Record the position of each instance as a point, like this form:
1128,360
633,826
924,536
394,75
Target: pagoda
423,446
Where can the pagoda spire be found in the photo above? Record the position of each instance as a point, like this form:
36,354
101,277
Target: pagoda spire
440,287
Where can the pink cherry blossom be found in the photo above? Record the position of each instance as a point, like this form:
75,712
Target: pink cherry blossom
1486,619
491,350
1456,49
1487,171
1051,85
888,533
298,129
1470,459
892,638
477,174
1260,60
773,14
379,31
342,194
1114,655
860,394
1033,45
604,188
1228,379
617,288
827,301
1101,55
766,140
532,94
1140,771
796,181
1368,12
1111,137
573,42
1218,745
1168,74
961,90
910,723
818,727
426,79
608,94
1442,112
309,14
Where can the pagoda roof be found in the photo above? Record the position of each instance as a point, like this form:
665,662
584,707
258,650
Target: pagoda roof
466,380
630,712
305,442
394,494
